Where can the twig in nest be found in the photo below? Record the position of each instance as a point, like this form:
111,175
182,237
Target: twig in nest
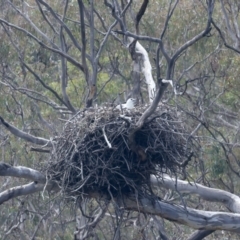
106,139
126,119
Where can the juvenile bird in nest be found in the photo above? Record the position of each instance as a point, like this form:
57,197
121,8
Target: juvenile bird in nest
130,104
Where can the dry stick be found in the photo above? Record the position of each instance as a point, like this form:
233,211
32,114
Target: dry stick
106,139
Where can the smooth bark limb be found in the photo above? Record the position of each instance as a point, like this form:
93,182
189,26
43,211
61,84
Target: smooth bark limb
25,136
196,219
21,172
40,182
146,69
22,190
231,201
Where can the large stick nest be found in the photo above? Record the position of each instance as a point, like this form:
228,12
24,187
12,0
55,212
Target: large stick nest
94,152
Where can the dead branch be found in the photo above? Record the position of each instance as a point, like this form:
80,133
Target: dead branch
26,189
231,201
25,136
22,172
196,219
140,14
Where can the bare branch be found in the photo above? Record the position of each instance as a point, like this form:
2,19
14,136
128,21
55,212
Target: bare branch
43,83
33,72
150,110
21,172
69,58
38,225
147,38
200,35
45,123
27,137
140,14
231,201
196,219
223,38
64,76
83,38
200,234
46,18
21,191
160,45
54,14
234,35
25,16
169,15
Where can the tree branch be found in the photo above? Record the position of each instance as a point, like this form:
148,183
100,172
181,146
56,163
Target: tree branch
27,137
83,38
147,38
55,15
22,190
231,201
197,219
200,234
150,110
146,67
69,58
140,14
169,15
224,41
64,76
21,172
200,35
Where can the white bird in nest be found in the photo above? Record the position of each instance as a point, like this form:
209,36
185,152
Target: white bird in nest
130,104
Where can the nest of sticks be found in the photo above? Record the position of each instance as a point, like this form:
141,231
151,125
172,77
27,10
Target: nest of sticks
101,151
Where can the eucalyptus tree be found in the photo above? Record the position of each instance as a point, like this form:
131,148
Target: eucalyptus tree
60,60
